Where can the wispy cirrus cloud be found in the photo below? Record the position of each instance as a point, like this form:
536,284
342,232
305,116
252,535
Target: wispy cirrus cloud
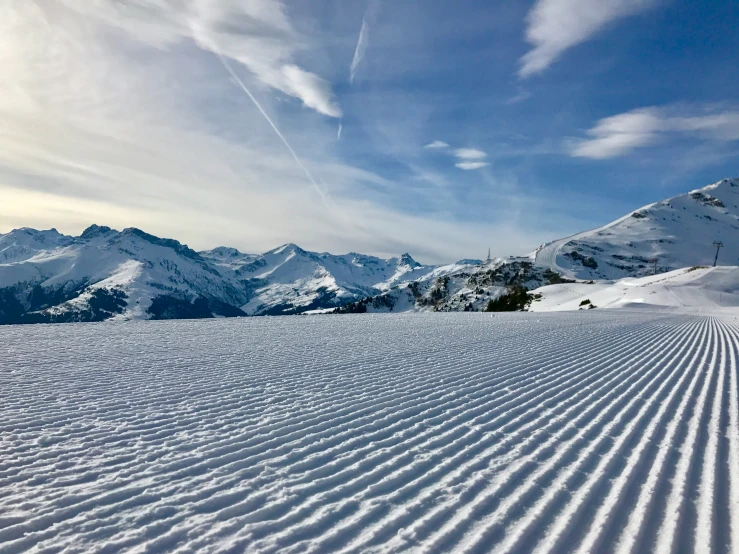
469,166
257,34
555,26
437,144
620,134
470,154
121,119
468,159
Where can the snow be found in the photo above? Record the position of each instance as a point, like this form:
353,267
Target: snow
699,289
678,232
589,431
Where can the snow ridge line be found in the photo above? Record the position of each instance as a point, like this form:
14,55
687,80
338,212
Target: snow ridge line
706,493
675,508
733,437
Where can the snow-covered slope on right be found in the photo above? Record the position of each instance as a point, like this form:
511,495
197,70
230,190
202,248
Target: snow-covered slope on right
702,289
679,232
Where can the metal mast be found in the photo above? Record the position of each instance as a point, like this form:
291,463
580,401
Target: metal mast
718,244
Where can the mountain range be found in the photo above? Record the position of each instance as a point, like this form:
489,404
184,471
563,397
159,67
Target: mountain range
48,277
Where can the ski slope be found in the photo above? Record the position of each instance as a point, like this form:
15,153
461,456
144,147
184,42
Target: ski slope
597,431
698,289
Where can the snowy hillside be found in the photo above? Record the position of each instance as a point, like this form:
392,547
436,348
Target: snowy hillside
678,232
584,432
701,289
104,274
458,288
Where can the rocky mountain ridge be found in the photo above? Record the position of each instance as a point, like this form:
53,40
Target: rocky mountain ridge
46,276
103,274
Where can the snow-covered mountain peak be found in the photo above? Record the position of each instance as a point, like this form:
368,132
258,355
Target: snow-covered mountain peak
666,235
106,273
720,186
285,249
22,244
137,235
223,252
94,231
408,261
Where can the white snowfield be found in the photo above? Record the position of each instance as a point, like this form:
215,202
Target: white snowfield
596,431
700,289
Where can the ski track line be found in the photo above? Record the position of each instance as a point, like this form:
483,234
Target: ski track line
608,507
706,494
319,548
733,436
423,433
502,479
675,502
514,532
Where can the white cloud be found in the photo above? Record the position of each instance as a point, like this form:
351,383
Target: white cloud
256,33
469,158
554,26
468,166
470,154
619,134
437,144
521,96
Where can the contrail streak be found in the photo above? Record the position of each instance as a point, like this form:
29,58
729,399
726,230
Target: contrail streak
236,78
360,49
363,40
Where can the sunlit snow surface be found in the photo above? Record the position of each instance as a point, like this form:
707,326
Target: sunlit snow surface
590,431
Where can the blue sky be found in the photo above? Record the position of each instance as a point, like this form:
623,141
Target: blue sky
435,127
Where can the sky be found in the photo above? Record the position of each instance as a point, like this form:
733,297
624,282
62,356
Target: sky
437,128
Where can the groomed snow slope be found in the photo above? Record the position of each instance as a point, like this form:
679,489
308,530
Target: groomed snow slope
705,289
580,432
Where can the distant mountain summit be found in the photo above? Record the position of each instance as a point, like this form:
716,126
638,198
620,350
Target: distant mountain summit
677,232
48,277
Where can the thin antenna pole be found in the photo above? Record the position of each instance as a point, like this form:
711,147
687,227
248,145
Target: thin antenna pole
718,244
